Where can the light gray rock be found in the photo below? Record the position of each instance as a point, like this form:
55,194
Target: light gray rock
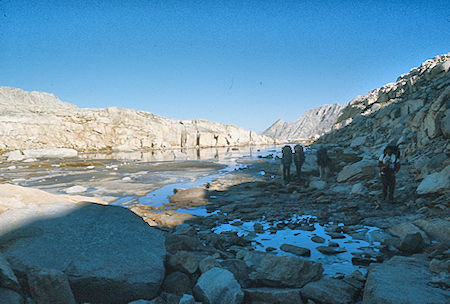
189,195
364,169
50,153
435,182
403,229
402,280
107,252
267,295
50,286
16,155
330,291
218,286
359,189
437,229
7,277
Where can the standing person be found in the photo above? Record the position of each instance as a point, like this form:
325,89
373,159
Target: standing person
323,161
286,162
388,165
299,159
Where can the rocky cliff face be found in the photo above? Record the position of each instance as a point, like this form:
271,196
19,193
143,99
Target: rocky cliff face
413,112
312,124
35,120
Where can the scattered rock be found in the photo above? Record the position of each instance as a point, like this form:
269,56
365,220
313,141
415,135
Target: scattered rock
330,250
269,295
300,251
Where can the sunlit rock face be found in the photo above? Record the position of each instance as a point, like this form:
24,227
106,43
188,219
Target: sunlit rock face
413,112
37,120
312,124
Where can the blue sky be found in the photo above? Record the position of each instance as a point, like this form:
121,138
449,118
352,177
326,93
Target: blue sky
246,63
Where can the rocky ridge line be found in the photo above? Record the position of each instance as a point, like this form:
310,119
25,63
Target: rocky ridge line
312,124
36,120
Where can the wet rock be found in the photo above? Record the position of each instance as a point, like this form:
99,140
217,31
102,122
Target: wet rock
336,235
402,280
330,291
267,295
177,283
300,251
330,250
218,286
7,277
258,228
437,229
318,239
184,261
282,271
191,195
50,286
10,296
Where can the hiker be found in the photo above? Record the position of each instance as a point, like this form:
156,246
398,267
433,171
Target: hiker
323,161
299,159
388,165
286,162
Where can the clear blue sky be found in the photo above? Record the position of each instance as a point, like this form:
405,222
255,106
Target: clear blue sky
246,63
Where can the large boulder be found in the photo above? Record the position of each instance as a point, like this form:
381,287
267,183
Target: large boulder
435,182
282,271
108,253
437,229
218,286
363,169
402,280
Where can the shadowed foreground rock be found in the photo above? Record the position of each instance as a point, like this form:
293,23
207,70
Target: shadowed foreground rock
109,254
402,280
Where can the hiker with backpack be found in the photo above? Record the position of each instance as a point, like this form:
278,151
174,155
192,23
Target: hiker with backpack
323,161
286,161
388,165
299,159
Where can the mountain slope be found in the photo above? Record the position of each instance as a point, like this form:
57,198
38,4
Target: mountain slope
35,120
313,123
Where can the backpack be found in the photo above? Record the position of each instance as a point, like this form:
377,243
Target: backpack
396,151
287,154
322,157
299,155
